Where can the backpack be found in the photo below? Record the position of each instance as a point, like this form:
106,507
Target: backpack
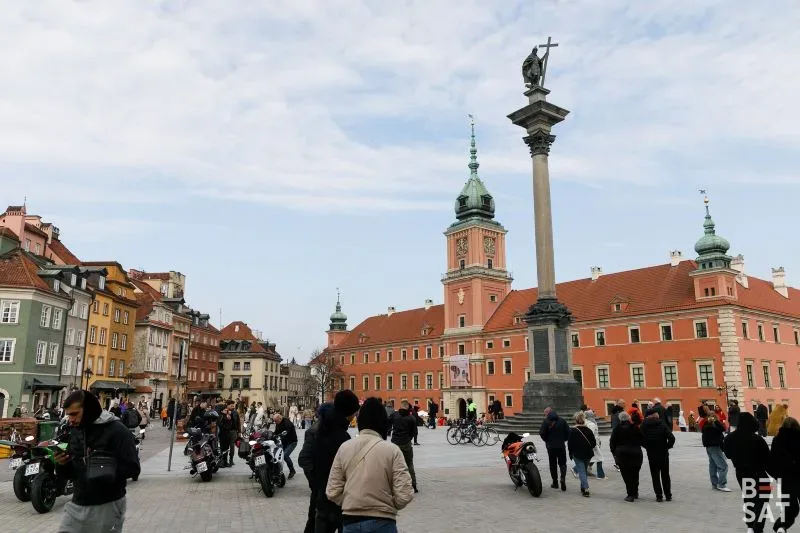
131,418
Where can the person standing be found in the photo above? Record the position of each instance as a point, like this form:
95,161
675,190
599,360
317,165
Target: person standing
658,440
713,435
615,411
750,456
776,419
306,461
417,421
581,444
637,417
224,427
404,430
96,438
369,478
293,415
597,458
784,465
733,415
555,433
433,411
289,441
762,415
626,445
472,410
682,422
260,414
498,410
331,435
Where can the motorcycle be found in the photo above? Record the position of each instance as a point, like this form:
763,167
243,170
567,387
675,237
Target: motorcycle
266,460
520,457
20,457
203,453
46,485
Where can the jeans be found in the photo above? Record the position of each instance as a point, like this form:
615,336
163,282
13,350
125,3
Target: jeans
659,473
375,525
558,459
717,467
581,467
287,451
600,472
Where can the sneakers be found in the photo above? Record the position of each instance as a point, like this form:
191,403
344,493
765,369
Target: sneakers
629,499
563,485
616,467
291,474
659,499
574,473
416,490
668,498
554,485
585,493
723,489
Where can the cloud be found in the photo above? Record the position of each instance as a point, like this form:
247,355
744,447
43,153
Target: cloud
301,102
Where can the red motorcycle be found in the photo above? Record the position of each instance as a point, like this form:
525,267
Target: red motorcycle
520,457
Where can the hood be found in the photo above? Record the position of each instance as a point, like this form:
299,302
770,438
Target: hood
91,409
747,423
403,412
105,417
324,408
789,433
552,416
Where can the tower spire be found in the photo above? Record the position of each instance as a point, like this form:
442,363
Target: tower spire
473,150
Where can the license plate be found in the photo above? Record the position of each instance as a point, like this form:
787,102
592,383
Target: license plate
32,469
531,457
202,467
260,460
15,463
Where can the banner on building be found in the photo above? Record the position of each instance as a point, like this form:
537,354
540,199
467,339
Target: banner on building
459,371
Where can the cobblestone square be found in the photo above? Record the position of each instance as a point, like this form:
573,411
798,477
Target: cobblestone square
461,488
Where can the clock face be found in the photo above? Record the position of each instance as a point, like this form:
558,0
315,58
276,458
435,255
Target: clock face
461,247
488,245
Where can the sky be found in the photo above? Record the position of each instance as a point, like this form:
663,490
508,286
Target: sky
273,151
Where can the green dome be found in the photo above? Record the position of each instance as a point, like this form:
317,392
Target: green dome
712,249
474,200
338,318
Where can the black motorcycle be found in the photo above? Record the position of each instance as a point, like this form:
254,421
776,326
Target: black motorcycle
20,457
266,460
203,452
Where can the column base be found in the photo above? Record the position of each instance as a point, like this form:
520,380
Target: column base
562,393
548,311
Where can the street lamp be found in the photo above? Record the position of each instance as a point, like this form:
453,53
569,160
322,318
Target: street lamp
729,390
88,373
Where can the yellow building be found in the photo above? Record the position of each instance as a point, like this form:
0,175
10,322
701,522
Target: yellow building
110,339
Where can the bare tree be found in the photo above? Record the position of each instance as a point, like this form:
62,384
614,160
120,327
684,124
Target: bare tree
325,375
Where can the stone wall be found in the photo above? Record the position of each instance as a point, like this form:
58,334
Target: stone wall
25,427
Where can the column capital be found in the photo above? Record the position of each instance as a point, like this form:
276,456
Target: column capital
539,142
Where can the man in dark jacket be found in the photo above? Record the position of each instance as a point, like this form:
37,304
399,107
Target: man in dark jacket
784,465
171,412
762,415
433,411
306,461
713,436
555,433
626,446
658,440
98,504
332,433
733,415
404,430
615,411
289,441
749,454
224,426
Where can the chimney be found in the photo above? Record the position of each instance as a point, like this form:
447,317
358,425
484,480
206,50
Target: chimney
779,281
428,304
390,311
737,264
596,273
675,257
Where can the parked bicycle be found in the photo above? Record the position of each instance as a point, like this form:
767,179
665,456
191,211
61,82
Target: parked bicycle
465,432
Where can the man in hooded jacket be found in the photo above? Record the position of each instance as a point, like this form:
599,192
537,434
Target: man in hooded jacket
305,460
98,505
749,454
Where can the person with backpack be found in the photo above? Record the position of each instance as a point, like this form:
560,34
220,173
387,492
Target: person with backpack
131,417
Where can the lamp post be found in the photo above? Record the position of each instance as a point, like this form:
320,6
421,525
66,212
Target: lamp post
730,391
156,382
88,373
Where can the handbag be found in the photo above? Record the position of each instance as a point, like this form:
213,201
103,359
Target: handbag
101,468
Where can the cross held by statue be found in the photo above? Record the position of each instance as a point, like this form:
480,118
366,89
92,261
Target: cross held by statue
550,44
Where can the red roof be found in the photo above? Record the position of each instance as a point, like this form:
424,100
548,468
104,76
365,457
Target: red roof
400,326
18,270
63,253
244,333
33,229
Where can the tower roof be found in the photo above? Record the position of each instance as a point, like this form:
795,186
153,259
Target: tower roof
711,248
474,200
338,318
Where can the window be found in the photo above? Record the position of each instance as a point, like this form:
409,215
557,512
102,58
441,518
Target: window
700,329
114,340
761,332
441,350
489,345
365,383
577,373
93,334
9,311
96,307
750,381
57,314
84,311
389,382
576,341
781,377
237,365
461,264
80,338
617,308
710,291
633,334
428,352
637,376
461,349
105,309
506,366
506,343
117,314
100,364
121,370
247,365
103,336
489,264
462,321
377,357
441,380
352,383
428,381
602,377
493,298
705,372
111,365
797,337
125,317
66,369
403,354
490,368
46,311
389,355
666,332
416,354
744,330
403,382
70,338
7,350
366,357
767,381
27,245
124,344
416,381
245,382
151,337
235,383
509,400
775,334
352,358
670,376
599,337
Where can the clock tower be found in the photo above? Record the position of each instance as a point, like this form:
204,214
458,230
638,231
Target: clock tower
476,280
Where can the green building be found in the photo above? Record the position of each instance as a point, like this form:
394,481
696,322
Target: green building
33,318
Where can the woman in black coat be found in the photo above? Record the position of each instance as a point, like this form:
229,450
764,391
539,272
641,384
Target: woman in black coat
784,464
749,454
626,445
658,440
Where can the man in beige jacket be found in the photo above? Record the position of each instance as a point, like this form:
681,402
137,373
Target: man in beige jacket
369,478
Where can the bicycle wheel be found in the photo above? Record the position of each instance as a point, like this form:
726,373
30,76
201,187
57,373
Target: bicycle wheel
465,436
493,437
477,437
453,435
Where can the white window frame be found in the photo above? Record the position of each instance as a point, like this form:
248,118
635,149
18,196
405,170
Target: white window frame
66,366
573,337
114,340
58,315
80,338
7,350
527,343
41,352
117,315
415,354
121,368
428,380
507,343
605,340
490,345
102,340
781,375
661,332
403,381
710,363
415,381
84,311
9,309
630,334
511,366
776,332
365,383
378,356
111,367
597,369
46,314
493,370
664,365
125,317
767,375
750,376
429,352
462,321
389,381
704,322
508,400
69,338
631,366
